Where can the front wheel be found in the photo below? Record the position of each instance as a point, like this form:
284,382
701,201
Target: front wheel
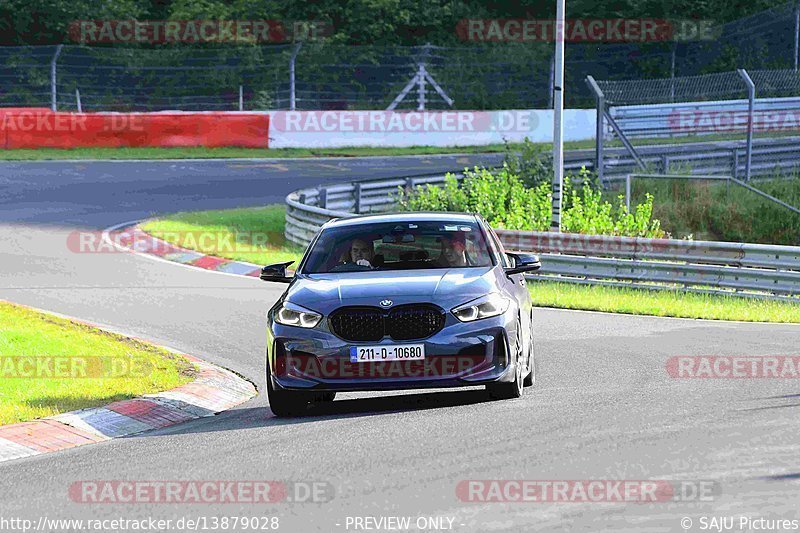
530,379
285,403
513,389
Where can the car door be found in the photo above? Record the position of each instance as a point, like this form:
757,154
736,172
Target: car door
515,286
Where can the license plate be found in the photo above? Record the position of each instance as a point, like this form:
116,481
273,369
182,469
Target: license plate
387,352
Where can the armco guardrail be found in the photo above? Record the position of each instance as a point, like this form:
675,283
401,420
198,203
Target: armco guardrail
704,266
308,209
705,118
770,157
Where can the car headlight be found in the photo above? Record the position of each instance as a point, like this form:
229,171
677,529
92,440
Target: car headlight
290,314
484,307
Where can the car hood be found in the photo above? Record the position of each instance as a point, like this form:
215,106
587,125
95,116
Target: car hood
444,287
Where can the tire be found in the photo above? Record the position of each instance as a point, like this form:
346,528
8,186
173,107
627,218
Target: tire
285,403
530,379
513,389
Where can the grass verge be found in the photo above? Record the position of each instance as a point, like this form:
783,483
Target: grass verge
664,303
50,365
256,235
231,153
269,220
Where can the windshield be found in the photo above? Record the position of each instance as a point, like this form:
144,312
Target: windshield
398,246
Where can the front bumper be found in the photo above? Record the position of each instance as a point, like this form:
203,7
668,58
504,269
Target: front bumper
461,354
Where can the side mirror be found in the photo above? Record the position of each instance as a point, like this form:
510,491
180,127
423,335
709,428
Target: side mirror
276,272
523,263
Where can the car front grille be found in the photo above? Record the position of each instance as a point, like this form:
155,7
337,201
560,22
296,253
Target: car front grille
404,322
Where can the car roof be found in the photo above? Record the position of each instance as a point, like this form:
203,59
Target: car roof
418,216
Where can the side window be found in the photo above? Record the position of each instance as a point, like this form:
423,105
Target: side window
498,247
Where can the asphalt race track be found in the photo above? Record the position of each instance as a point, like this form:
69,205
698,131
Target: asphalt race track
603,407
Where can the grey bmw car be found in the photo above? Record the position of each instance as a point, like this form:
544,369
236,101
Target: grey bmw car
400,301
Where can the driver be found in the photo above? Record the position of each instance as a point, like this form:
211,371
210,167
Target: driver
454,251
361,253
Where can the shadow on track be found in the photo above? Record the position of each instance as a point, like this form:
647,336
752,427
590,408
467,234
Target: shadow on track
256,417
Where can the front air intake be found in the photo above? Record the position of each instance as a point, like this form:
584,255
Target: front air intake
403,323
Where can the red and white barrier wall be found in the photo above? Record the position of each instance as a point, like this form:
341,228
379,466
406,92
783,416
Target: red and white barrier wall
41,128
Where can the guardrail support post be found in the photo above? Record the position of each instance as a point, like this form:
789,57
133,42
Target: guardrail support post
628,179
664,164
598,144
323,198
357,197
751,97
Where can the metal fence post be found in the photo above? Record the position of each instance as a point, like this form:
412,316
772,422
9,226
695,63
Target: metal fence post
292,87
751,95
672,73
552,81
357,197
796,33
420,87
53,90
598,146
558,125
628,178
78,100
241,98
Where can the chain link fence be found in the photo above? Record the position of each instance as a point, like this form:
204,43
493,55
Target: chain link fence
749,119
324,75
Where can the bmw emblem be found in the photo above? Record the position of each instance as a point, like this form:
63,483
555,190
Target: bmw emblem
386,303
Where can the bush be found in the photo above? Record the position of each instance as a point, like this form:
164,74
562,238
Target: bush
587,212
502,198
533,164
